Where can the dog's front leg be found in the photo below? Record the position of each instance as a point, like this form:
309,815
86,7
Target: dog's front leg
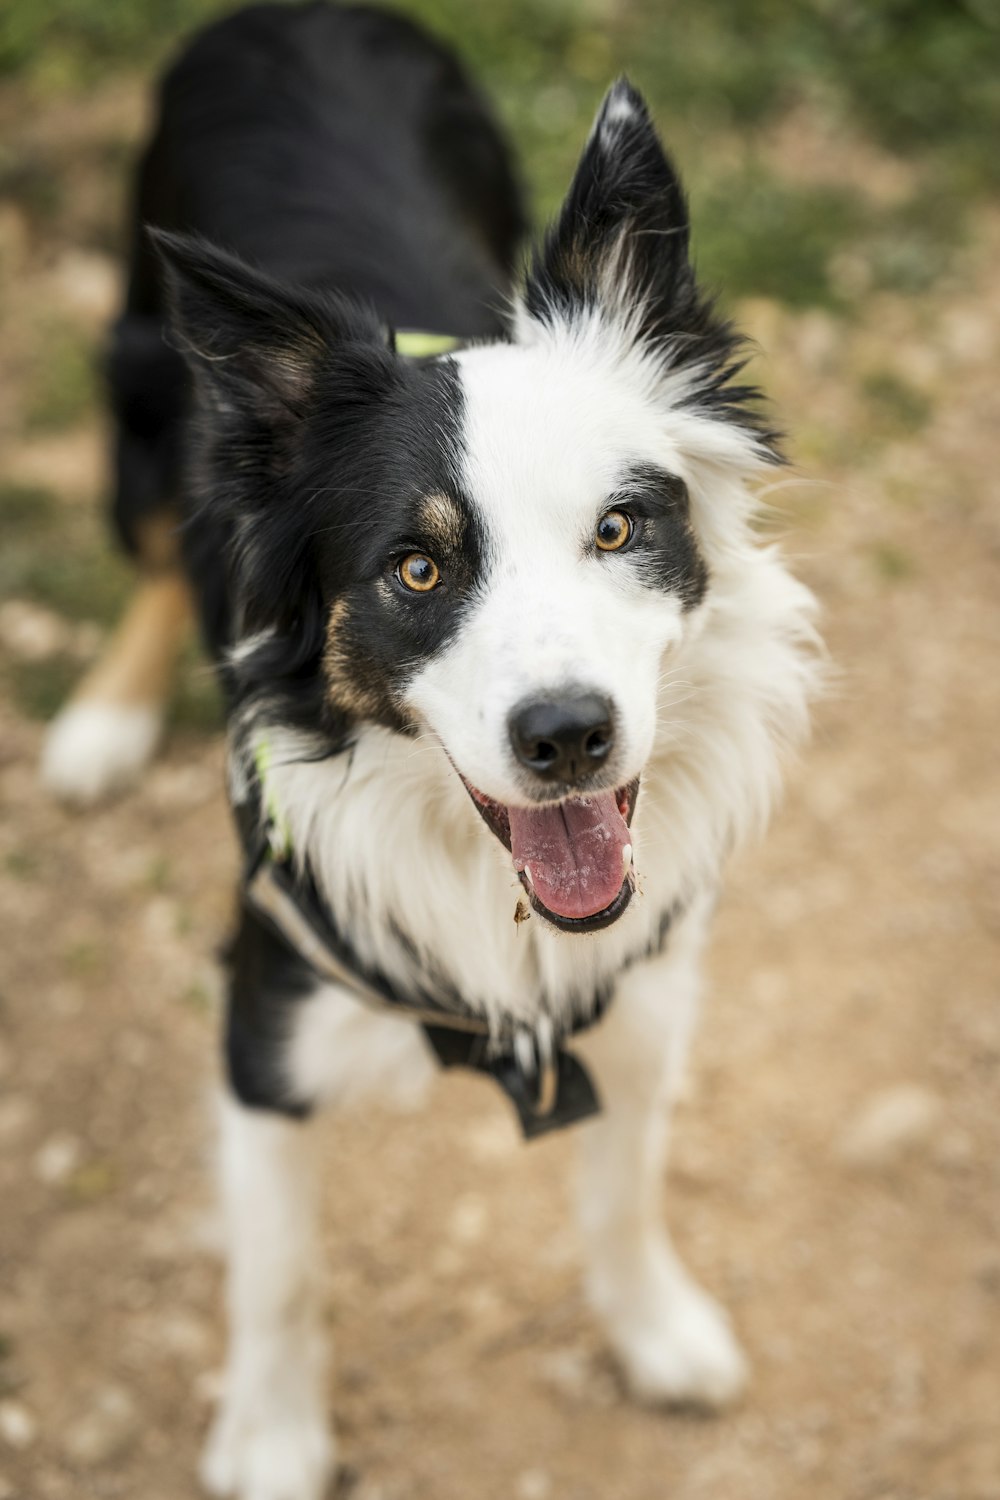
673,1341
271,1439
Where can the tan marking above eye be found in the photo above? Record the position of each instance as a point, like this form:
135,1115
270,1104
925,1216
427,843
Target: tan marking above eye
613,530
418,572
442,523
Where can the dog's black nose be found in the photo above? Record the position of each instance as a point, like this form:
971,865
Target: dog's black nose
563,739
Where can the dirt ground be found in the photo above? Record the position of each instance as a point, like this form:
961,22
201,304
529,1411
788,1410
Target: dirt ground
836,1169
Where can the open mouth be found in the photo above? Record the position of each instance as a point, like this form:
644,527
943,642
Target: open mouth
573,858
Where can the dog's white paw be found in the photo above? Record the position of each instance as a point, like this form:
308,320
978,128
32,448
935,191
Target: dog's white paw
681,1351
95,749
284,1458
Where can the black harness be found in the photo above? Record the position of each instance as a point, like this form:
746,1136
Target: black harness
548,1086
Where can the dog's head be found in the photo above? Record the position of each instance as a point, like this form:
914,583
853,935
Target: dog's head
501,548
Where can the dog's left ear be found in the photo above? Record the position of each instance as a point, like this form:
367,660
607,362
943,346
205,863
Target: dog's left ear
622,235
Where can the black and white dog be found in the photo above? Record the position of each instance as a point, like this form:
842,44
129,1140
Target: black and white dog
508,670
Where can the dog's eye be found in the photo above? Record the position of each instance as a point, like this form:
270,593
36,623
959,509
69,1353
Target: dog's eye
418,572
614,530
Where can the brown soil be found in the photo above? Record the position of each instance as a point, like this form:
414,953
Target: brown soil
836,1174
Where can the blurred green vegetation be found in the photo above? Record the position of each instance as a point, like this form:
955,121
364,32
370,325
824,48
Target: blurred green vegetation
58,558
62,386
897,406
891,562
921,74
921,78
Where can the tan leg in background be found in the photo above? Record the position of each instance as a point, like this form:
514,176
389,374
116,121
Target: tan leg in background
111,726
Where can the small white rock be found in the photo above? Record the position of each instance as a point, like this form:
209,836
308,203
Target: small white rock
892,1125
533,1484
87,282
30,632
103,1432
18,1427
58,1159
467,1223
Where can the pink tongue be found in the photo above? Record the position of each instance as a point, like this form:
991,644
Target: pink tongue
574,851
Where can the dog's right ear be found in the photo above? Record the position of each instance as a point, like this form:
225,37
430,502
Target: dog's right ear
621,240
254,344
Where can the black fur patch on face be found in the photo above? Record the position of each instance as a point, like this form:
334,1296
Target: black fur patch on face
622,242
665,542
399,495
321,460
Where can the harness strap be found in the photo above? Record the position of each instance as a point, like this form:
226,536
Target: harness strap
415,344
548,1086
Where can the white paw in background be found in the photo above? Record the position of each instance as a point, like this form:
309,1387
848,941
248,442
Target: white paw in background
94,749
286,1458
677,1347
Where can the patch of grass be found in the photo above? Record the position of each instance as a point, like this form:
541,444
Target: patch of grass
158,874
21,864
897,406
25,509
56,556
63,384
916,75
920,75
85,959
755,235
907,493
93,1181
85,583
891,562
70,39
910,245
197,703
198,998
923,75
30,181
183,920
40,688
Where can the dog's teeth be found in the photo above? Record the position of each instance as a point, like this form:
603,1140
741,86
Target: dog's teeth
626,859
527,876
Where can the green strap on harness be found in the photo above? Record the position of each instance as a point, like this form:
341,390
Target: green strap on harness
412,344
279,833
